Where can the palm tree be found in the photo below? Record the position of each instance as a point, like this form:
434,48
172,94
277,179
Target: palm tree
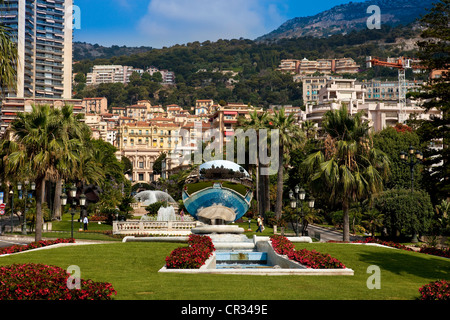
258,121
73,128
8,59
290,136
40,142
310,129
349,169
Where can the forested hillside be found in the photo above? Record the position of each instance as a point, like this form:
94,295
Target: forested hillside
197,67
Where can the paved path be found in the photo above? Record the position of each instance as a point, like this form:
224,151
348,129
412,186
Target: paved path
9,240
327,234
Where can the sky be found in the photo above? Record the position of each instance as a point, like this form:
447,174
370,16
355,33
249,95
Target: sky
159,23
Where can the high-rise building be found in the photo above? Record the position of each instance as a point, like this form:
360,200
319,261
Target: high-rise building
43,32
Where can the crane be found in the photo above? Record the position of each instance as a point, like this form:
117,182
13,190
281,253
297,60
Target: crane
401,64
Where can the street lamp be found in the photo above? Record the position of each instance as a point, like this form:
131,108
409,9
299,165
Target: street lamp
412,158
296,203
11,192
72,194
27,197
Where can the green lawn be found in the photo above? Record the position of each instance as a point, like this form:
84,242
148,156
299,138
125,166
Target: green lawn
132,268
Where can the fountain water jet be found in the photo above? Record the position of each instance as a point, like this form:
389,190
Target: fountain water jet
149,197
166,214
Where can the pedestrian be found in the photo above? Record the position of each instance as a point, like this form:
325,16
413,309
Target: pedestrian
182,215
85,223
259,223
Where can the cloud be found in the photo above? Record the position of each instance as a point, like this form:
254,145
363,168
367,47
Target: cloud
168,22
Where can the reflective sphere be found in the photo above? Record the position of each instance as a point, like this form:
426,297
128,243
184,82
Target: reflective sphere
218,192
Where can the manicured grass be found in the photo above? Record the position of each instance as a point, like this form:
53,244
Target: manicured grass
132,268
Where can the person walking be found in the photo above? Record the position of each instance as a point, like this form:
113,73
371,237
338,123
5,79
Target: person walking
85,223
259,223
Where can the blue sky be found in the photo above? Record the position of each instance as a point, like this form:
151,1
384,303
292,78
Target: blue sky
158,23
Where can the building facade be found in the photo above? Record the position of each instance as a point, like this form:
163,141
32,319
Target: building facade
307,67
111,74
95,105
44,46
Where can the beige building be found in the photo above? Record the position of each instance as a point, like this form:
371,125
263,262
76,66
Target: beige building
137,112
380,114
98,125
142,142
335,93
226,118
110,74
307,67
289,65
311,87
95,105
204,107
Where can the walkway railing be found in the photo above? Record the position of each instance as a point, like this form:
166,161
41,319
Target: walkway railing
153,227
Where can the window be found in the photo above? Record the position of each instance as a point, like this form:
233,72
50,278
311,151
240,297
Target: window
141,177
141,165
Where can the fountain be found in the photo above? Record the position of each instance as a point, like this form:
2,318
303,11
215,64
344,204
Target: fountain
217,194
149,197
166,214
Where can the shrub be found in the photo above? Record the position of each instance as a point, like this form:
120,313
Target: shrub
33,245
309,258
438,290
192,257
98,218
435,251
41,282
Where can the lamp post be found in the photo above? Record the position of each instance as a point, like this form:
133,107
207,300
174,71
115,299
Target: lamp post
82,201
412,158
296,202
72,194
11,192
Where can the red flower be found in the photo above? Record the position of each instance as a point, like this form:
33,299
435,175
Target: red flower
310,259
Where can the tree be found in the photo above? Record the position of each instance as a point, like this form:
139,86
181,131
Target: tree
405,212
290,137
392,142
40,142
434,52
349,169
257,122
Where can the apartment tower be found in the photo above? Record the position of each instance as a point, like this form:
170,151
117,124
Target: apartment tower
43,32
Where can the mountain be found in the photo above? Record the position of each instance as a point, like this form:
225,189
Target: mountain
83,50
345,18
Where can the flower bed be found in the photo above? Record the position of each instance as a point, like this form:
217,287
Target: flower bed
33,245
192,257
309,258
385,243
436,252
41,282
438,290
